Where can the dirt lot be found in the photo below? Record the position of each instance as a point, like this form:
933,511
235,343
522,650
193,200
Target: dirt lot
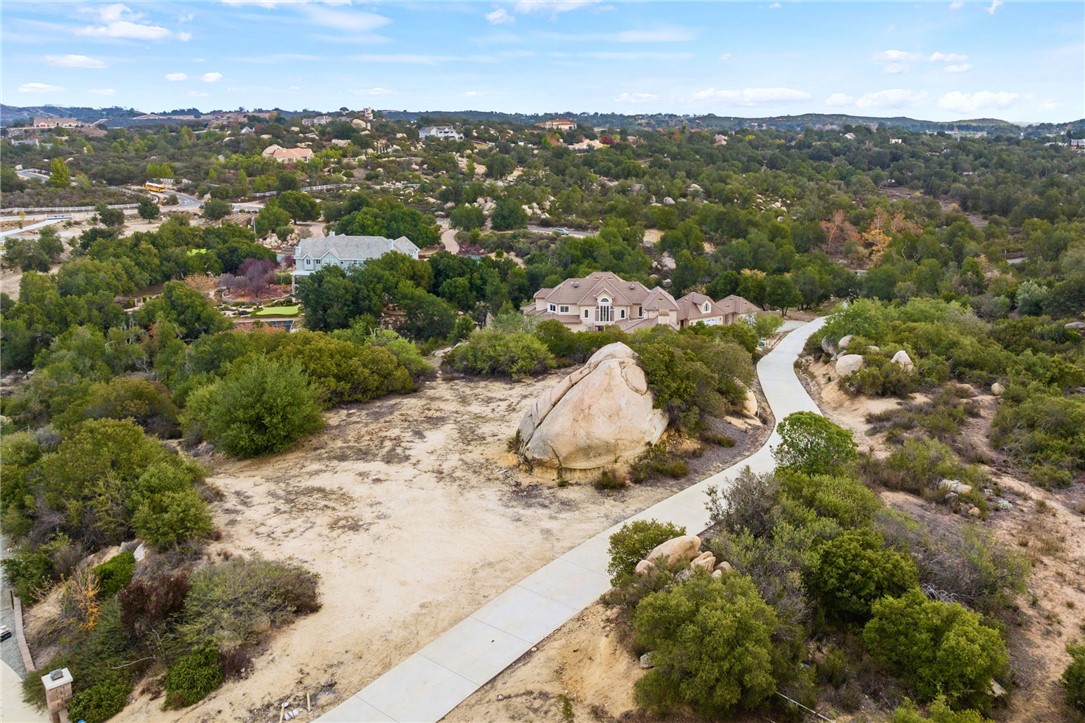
414,514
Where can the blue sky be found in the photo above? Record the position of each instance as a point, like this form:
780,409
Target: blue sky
1020,61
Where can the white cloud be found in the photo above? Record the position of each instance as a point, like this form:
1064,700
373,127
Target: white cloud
752,96
176,76
39,88
894,68
211,77
897,56
119,21
184,37
186,18
197,94
775,6
404,58
892,98
272,4
635,55
994,6
354,21
102,91
726,56
500,17
956,5
635,97
839,99
673,35
947,58
472,94
972,102
74,61
551,7
1051,104
961,68
373,91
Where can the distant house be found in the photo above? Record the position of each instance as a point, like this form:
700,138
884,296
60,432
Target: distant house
313,254
320,120
558,124
57,123
287,155
604,299
441,133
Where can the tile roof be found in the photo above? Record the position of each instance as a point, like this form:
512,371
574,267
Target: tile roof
691,307
586,290
735,304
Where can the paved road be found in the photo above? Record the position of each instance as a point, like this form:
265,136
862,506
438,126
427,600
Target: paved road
33,226
32,174
430,683
568,231
448,237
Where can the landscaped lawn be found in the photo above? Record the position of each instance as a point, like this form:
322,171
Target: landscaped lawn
278,311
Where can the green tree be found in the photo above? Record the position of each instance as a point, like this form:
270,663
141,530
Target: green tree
60,176
148,209
330,299
853,571
190,311
937,648
215,209
781,293
426,316
272,219
112,217
508,215
467,218
263,407
811,443
712,646
300,206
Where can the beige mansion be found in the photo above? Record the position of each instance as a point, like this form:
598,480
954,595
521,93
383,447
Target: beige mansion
603,299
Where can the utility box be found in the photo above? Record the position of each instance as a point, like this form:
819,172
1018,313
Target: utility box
58,690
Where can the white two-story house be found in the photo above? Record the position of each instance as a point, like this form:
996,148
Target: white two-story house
313,254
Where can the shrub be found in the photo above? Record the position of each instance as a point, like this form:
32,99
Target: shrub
748,504
115,574
148,602
1073,678
193,677
237,601
633,542
880,377
102,701
346,372
172,517
940,712
811,443
936,647
712,646
919,466
146,403
492,353
656,461
853,571
264,407
842,499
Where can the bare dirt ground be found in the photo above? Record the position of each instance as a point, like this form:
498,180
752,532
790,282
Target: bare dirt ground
414,514
1046,526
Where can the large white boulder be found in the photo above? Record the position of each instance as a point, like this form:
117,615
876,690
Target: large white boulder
848,365
904,361
599,415
844,341
677,550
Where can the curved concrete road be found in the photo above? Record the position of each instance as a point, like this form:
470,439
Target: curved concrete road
430,683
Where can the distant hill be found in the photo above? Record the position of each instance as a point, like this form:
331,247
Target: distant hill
10,114
994,126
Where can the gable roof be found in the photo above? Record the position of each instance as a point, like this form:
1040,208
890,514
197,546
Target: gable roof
691,307
353,248
735,304
585,291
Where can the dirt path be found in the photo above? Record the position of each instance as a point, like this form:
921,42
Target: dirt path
448,238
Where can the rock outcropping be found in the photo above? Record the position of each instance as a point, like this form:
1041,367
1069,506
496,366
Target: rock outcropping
599,415
848,365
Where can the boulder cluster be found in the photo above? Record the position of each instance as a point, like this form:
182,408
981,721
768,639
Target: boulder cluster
847,364
682,551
